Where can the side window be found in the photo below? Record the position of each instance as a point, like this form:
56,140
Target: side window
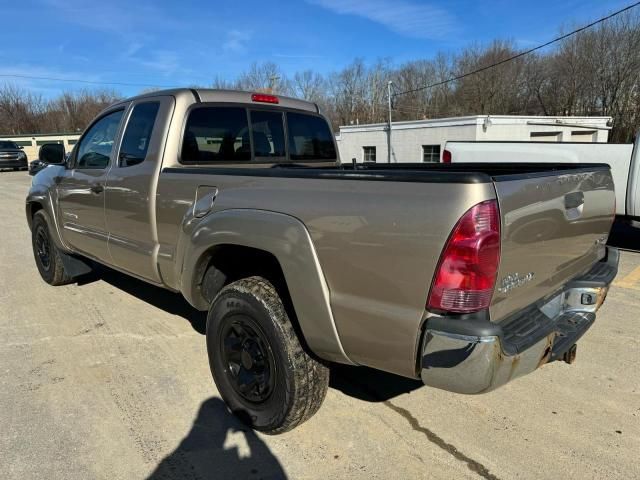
135,141
309,138
216,134
95,147
268,133
369,154
431,153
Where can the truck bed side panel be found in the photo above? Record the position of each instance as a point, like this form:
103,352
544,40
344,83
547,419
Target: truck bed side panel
378,244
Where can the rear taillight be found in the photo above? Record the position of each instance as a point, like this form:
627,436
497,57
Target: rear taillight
468,265
446,156
264,98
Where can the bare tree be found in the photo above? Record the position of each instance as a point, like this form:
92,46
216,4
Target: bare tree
264,77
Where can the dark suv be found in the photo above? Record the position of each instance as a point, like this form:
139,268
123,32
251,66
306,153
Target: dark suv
12,156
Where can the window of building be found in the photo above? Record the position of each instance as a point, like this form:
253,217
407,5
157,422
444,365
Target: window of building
369,154
135,141
583,136
216,134
309,138
24,143
94,150
72,141
268,133
545,136
43,142
431,153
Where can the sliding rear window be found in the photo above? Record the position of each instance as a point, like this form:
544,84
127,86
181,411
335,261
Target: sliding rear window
268,134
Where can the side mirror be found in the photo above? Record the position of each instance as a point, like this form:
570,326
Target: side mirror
52,153
35,167
20,147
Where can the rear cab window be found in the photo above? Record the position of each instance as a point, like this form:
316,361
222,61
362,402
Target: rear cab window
229,134
309,138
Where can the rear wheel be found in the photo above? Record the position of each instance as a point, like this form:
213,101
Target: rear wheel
45,252
259,366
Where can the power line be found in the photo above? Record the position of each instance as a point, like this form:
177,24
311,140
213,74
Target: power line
92,82
521,54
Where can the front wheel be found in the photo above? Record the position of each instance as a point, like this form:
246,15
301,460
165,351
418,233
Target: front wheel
45,252
259,366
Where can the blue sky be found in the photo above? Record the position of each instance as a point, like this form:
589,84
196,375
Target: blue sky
193,41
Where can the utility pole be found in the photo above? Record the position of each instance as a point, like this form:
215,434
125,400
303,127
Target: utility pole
389,130
272,82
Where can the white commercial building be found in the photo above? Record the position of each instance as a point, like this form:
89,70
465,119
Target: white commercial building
424,140
31,143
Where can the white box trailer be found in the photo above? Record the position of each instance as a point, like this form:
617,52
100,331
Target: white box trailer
622,158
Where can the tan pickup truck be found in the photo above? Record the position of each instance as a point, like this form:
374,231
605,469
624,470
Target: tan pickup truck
466,276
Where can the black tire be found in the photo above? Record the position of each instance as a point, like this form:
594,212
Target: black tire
45,252
266,378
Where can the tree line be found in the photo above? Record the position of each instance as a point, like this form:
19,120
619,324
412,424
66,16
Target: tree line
595,72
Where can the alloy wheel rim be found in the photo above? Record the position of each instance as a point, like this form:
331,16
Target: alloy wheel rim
248,359
43,248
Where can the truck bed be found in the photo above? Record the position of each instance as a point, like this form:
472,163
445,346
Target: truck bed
400,172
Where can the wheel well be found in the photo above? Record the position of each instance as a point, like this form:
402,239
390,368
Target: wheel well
227,263
32,209
233,262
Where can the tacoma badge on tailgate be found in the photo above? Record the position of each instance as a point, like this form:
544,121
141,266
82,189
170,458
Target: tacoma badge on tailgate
514,280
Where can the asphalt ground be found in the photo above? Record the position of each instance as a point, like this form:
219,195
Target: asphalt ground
109,379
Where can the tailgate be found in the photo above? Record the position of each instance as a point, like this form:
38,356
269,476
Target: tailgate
554,227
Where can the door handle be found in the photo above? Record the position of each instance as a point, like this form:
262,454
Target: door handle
97,188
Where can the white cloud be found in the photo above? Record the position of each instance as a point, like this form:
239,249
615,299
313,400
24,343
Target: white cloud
127,20
236,41
408,18
164,61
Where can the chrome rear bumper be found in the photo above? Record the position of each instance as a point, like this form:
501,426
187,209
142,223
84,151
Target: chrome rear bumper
476,356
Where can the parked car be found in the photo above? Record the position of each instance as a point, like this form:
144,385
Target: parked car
12,156
623,158
239,202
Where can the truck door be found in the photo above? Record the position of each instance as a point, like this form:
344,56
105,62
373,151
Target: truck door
81,189
130,202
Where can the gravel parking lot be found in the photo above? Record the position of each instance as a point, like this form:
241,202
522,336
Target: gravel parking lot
109,379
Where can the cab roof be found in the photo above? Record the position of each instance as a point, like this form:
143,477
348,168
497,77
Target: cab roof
233,96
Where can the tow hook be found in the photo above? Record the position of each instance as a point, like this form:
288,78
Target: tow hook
570,355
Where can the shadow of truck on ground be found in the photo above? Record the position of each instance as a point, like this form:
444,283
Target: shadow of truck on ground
219,446
359,382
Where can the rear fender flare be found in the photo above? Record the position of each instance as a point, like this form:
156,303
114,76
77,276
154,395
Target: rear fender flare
288,240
